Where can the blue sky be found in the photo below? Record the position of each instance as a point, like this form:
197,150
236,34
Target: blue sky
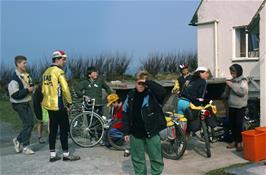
89,28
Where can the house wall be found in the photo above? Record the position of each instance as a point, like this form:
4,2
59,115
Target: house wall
229,14
263,66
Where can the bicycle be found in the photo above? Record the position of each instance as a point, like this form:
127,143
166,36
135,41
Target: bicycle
173,138
204,130
88,128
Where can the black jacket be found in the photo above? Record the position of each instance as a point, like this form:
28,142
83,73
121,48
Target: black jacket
195,89
151,110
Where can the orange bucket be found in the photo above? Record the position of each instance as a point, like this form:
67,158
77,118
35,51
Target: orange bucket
262,129
254,145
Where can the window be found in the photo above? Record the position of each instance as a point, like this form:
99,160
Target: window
246,43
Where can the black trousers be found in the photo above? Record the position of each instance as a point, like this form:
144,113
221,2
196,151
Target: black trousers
58,119
236,117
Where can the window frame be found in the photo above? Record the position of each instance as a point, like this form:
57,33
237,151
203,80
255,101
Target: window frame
246,58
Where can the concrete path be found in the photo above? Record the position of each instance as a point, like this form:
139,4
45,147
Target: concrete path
101,160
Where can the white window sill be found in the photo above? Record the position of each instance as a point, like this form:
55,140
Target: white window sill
246,59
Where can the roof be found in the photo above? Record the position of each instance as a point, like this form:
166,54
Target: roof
194,19
256,17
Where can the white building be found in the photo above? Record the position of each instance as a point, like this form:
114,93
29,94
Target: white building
231,32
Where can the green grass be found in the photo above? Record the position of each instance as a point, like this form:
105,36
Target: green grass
220,171
7,114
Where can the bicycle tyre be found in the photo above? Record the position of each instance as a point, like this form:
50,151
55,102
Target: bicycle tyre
206,138
86,136
115,136
175,148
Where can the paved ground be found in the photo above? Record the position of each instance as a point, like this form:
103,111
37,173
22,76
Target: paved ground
101,160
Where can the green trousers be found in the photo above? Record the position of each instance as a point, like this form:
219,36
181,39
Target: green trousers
153,148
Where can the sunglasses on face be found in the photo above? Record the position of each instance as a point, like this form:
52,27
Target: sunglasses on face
141,84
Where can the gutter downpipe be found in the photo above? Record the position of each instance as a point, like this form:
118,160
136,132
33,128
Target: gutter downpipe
216,51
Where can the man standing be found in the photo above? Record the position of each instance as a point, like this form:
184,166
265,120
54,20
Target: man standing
143,119
56,99
20,89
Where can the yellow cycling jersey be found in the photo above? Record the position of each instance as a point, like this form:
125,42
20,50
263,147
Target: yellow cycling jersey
55,89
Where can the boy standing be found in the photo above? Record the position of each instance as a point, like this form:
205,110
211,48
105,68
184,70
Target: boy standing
20,89
93,88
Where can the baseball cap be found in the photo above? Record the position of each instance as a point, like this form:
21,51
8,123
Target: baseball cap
204,69
112,98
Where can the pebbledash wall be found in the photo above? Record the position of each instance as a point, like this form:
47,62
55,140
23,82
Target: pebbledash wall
216,22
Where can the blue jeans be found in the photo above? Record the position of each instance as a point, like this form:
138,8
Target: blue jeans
26,116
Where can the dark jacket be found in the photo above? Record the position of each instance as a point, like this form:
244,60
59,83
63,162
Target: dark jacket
93,89
151,110
37,98
182,80
195,89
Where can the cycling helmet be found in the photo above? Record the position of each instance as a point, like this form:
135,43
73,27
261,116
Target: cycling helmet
183,66
59,54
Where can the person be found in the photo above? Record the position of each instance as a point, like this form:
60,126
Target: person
20,89
56,92
114,102
180,82
40,113
236,93
92,87
194,90
143,119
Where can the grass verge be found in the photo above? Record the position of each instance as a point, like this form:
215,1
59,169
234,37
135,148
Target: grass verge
221,171
7,114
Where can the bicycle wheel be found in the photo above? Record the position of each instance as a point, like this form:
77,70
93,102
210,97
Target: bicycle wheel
87,129
206,138
175,148
115,136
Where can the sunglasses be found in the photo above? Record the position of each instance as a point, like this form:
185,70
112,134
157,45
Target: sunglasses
141,84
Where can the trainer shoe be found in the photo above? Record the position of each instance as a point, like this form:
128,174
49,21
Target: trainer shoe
53,159
28,151
16,145
71,158
41,141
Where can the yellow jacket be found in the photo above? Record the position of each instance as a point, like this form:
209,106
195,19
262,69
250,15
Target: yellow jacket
54,88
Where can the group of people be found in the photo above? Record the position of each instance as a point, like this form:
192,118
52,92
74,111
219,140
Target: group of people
141,113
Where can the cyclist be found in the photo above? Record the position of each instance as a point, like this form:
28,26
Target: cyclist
114,101
193,91
93,88
55,90
40,113
185,76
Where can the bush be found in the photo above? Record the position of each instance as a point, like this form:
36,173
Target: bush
168,63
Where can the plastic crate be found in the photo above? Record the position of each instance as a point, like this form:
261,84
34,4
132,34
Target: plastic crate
254,145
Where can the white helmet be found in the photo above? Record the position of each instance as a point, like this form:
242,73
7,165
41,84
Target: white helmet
204,69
